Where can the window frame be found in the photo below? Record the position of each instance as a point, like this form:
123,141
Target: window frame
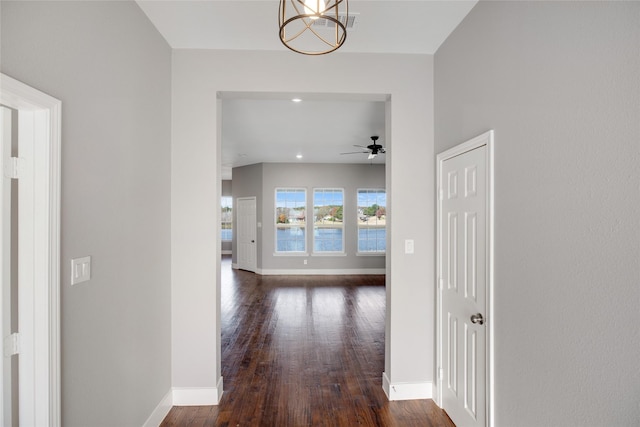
304,227
359,226
342,224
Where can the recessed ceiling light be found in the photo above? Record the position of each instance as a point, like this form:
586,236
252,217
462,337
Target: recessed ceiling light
296,100
298,156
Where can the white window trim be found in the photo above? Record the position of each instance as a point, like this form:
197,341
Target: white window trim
279,254
275,222
313,235
368,253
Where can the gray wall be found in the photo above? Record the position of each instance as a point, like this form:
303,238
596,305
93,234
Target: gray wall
559,82
310,176
247,182
226,187
112,71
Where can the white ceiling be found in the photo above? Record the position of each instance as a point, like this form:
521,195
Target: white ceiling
391,26
253,129
280,129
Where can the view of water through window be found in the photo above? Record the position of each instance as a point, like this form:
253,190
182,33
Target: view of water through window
328,222
369,240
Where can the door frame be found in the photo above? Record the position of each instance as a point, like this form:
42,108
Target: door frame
39,118
255,247
485,139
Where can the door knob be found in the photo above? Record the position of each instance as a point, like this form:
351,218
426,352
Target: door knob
477,318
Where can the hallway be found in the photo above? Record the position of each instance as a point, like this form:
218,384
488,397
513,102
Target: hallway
304,351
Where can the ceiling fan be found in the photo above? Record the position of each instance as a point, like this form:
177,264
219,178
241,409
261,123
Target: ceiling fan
372,150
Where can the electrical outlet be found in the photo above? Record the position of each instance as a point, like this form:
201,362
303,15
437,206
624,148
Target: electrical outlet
304,262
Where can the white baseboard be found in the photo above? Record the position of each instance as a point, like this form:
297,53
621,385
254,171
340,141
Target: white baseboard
226,252
406,391
197,396
319,272
219,389
161,411
184,396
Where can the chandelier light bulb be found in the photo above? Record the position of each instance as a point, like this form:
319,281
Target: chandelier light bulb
314,7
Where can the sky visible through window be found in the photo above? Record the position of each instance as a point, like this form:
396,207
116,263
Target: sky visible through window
290,198
369,197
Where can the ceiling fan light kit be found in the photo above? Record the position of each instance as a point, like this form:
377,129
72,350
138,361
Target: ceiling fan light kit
313,27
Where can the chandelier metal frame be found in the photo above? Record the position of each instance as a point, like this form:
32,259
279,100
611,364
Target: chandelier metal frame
300,13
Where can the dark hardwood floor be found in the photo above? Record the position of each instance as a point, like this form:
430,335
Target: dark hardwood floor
304,351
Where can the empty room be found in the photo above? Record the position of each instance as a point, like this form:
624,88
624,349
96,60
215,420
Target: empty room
165,250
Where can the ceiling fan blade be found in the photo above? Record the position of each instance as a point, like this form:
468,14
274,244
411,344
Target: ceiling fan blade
357,152
361,146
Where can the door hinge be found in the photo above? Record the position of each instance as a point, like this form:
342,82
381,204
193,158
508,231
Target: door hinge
12,345
13,167
440,373
440,194
440,283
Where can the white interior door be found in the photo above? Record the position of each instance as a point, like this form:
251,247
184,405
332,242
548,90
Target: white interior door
246,240
463,277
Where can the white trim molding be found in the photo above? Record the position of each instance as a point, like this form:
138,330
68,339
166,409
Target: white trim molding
40,116
161,411
320,272
406,391
184,396
197,396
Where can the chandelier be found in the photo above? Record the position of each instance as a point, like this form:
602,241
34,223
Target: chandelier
313,27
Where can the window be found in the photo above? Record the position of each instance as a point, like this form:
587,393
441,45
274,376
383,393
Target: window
226,218
328,235
291,212
372,219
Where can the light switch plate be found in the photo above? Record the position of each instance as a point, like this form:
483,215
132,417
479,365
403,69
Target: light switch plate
80,270
408,246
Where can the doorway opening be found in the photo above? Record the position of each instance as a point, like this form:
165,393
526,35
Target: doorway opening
310,144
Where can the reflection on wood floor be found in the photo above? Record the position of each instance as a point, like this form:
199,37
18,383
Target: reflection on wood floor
304,351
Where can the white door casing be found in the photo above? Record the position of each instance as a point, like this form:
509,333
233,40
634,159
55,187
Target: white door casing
246,240
6,415
38,174
464,265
